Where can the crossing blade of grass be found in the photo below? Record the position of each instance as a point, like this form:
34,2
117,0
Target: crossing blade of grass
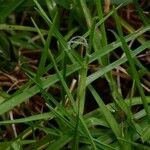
45,51
57,34
62,80
51,100
60,37
24,94
77,125
41,144
33,29
60,143
41,11
138,128
39,31
102,20
146,134
95,121
113,65
132,64
130,29
108,116
51,55
50,66
140,114
60,116
88,134
94,143
87,131
135,101
137,145
51,131
62,110
103,146
90,120
86,12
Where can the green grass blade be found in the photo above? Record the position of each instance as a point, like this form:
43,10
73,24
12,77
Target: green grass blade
45,51
60,143
86,12
42,116
39,31
91,140
109,117
132,64
146,134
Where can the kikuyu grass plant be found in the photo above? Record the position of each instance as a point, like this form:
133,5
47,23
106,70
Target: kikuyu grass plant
68,125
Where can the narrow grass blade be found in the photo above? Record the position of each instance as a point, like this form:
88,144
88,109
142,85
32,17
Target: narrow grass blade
75,141
91,140
60,143
81,91
86,12
39,31
146,134
137,145
43,116
20,28
46,49
109,117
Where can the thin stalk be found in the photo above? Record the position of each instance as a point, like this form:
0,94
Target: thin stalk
102,26
86,12
83,72
130,29
82,89
62,80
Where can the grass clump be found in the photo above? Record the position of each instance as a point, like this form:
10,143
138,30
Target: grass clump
74,76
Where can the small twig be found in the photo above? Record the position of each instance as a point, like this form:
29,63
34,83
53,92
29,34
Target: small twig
146,88
12,78
16,84
72,87
107,6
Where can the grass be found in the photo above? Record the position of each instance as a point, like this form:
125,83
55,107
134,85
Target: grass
51,99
